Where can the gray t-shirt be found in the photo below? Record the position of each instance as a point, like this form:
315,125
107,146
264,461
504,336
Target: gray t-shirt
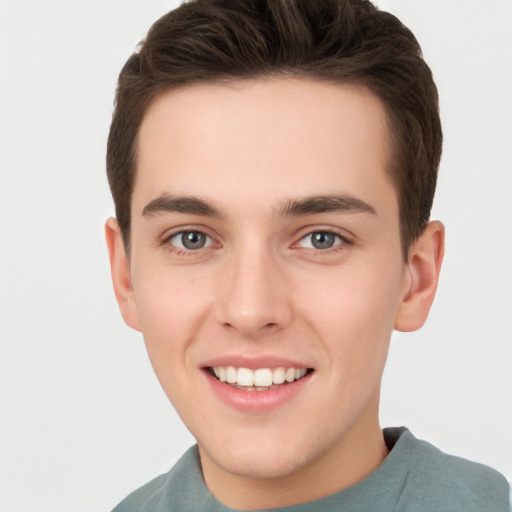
415,477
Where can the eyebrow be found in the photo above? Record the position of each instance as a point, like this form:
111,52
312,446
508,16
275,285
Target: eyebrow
310,205
180,204
338,203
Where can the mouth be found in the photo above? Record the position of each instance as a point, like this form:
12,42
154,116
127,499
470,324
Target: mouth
260,379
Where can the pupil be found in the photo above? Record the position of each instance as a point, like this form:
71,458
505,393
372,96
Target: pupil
322,240
193,240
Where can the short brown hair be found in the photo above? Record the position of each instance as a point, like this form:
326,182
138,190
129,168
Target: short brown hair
340,41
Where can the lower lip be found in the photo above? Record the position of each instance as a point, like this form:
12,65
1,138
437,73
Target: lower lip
256,400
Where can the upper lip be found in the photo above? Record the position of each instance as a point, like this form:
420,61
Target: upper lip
253,363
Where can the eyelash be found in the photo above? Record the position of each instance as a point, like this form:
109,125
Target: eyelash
343,242
183,251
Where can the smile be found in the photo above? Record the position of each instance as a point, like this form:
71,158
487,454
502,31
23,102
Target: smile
261,379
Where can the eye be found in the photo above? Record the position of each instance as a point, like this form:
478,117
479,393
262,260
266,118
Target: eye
190,240
321,240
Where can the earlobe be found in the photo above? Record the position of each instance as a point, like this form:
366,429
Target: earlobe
121,276
423,269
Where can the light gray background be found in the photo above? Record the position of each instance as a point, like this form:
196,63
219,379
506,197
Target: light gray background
83,420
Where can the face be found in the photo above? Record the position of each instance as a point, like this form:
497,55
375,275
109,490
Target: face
266,270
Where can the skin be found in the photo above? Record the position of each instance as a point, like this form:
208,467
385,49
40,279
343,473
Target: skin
260,288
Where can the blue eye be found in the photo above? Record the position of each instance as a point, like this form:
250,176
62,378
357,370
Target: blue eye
321,240
190,240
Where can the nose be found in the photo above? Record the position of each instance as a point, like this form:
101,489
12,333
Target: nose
254,297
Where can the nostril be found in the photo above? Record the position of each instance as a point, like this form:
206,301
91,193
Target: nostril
251,326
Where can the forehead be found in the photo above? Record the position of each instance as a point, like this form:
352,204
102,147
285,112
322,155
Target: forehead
261,141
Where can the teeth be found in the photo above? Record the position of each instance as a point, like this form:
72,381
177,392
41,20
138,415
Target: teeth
230,375
261,379
299,373
278,376
244,377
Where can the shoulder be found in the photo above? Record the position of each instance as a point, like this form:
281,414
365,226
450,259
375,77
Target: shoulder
139,498
444,482
173,489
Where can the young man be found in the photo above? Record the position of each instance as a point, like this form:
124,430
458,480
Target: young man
273,165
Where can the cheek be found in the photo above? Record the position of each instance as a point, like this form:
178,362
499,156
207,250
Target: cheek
355,319
166,298
171,310
354,299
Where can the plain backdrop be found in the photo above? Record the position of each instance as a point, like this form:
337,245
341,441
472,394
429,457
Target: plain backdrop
83,420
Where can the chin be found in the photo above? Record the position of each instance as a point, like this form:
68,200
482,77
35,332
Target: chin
261,466
254,457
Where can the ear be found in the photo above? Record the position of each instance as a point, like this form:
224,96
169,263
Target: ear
121,276
422,275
